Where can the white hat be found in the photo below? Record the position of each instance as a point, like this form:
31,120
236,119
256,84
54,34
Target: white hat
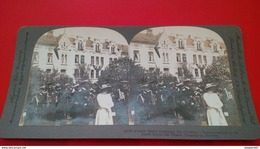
104,86
209,85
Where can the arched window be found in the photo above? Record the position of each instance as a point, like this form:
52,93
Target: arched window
62,58
164,60
97,47
215,47
80,45
198,45
113,50
180,43
167,57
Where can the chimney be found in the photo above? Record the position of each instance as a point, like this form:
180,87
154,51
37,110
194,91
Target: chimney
50,34
149,32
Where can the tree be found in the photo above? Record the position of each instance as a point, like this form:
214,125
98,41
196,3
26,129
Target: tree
218,72
45,91
81,74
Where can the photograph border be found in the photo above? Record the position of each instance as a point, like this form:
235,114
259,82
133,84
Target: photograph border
26,40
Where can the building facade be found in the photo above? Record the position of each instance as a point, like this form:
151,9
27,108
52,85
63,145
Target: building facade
175,54
68,55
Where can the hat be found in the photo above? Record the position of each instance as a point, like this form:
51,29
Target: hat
104,86
209,85
145,86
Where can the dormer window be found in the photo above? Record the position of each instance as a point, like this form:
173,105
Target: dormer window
180,44
97,47
215,47
113,49
80,45
199,46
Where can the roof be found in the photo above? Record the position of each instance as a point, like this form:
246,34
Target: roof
105,45
123,48
89,43
48,39
207,43
145,38
172,38
190,41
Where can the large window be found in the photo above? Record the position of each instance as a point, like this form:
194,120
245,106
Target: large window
200,59
82,59
63,58
151,57
76,73
92,60
50,58
48,70
180,72
110,60
166,70
102,61
205,59
76,58
196,72
136,56
164,58
92,74
214,59
184,59
195,59
97,60
167,57
63,71
178,57
35,57
151,69
97,73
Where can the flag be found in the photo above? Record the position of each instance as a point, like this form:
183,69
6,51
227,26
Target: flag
156,48
56,51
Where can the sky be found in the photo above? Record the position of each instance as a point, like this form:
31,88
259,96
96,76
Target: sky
187,30
104,33
93,32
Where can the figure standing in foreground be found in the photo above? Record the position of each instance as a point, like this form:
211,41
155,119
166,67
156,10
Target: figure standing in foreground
104,112
215,114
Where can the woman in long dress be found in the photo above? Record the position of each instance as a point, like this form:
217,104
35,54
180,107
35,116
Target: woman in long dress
104,112
215,114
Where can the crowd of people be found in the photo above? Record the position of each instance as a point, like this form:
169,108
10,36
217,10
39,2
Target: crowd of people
147,104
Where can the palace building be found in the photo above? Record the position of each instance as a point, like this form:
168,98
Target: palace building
67,54
175,53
